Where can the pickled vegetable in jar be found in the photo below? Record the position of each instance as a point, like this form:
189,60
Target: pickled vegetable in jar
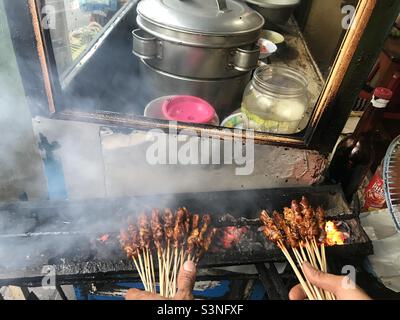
275,100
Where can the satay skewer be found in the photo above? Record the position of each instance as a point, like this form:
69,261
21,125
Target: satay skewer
160,272
319,292
296,271
143,270
140,272
146,266
301,260
311,254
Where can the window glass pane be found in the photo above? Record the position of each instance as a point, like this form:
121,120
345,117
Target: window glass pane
76,25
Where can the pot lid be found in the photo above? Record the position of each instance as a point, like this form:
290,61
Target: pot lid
274,3
214,17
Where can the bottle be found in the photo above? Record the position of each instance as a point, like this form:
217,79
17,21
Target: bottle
355,154
375,193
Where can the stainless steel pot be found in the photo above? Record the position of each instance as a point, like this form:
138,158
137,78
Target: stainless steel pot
225,95
275,11
198,38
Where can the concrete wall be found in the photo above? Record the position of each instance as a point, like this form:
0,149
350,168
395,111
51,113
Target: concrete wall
20,163
100,162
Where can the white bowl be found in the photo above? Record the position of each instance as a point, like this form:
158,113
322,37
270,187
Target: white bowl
267,48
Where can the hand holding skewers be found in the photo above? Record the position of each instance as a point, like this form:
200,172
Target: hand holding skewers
176,237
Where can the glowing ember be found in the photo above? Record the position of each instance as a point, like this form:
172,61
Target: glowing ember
104,238
333,235
232,236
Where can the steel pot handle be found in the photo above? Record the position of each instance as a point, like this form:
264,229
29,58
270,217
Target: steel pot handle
221,4
145,45
245,60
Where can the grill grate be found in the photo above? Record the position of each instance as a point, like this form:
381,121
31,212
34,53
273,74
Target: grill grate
392,180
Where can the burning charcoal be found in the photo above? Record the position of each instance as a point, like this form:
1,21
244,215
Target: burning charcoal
232,236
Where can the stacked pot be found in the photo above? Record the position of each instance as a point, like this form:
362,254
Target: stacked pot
205,48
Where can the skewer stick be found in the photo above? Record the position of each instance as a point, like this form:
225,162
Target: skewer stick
148,267
167,264
330,295
300,262
296,271
143,272
140,271
146,270
311,254
316,250
317,291
152,270
182,257
322,264
175,271
165,275
160,272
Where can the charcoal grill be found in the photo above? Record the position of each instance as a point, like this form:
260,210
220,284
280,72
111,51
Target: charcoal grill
66,234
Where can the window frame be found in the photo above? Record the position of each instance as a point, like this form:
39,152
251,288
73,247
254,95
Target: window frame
357,54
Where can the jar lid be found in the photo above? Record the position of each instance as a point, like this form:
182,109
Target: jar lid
209,17
383,93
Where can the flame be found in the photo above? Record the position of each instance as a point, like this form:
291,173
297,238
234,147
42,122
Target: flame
333,235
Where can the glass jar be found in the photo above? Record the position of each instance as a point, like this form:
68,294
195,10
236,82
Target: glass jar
275,100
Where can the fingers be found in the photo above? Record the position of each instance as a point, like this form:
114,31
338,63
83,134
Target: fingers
135,294
322,280
186,281
297,293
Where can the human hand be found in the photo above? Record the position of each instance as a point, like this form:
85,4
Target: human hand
341,286
185,285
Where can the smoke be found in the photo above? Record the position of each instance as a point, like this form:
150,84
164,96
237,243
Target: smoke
91,162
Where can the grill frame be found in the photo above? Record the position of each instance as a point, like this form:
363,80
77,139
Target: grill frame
89,270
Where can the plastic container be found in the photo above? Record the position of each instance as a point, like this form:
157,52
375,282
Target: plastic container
275,100
154,108
189,109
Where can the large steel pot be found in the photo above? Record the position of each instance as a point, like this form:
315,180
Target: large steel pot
210,39
275,11
224,94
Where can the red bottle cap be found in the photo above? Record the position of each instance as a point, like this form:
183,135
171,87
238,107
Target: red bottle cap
383,93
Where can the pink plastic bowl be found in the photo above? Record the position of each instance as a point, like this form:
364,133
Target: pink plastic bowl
188,109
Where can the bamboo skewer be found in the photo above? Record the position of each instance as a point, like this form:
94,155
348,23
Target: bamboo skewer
311,254
296,271
146,266
330,295
316,250
143,271
300,262
160,272
315,288
140,271
166,269
153,277
312,260
175,272
137,240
